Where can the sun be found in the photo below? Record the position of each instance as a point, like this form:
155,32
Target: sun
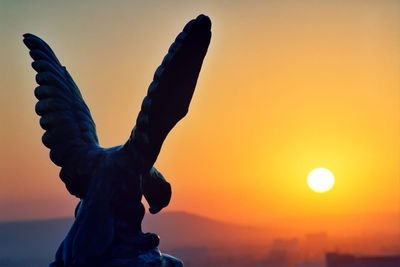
320,180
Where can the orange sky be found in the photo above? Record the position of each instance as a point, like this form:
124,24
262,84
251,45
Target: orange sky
287,86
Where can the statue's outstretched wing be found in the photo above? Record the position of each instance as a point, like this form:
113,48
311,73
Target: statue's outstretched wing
169,94
70,131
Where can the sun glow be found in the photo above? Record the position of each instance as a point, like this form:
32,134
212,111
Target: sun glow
320,180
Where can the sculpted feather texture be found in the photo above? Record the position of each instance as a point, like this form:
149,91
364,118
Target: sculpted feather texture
110,181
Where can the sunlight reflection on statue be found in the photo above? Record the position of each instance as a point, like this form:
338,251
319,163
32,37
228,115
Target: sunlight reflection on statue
110,181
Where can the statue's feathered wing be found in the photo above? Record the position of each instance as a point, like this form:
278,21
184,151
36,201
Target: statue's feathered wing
171,90
70,131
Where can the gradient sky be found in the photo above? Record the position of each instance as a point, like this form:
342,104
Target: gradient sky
286,86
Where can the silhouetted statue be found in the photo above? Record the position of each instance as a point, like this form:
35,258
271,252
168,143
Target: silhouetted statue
110,181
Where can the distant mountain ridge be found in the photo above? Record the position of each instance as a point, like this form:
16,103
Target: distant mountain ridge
178,229
34,242
38,240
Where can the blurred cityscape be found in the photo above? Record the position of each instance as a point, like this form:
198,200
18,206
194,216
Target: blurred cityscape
314,250
199,241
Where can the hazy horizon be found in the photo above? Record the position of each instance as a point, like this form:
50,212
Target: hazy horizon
199,241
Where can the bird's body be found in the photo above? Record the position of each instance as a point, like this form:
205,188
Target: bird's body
111,181
111,213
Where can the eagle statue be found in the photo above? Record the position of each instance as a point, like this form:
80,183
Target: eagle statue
110,182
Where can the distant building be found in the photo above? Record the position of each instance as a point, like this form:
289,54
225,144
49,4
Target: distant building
348,260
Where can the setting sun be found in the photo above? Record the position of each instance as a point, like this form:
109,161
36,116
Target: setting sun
320,180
